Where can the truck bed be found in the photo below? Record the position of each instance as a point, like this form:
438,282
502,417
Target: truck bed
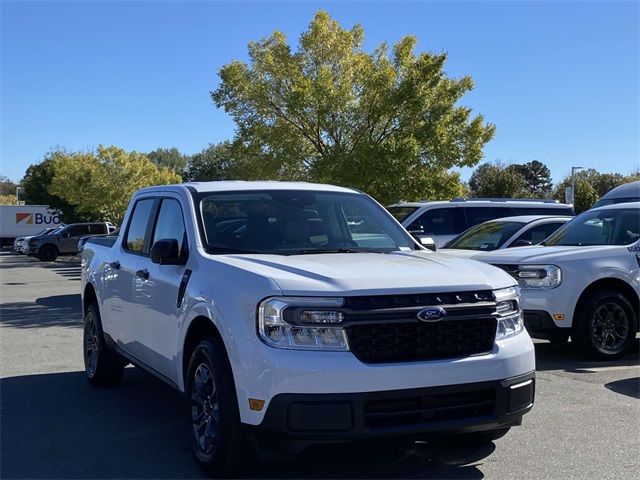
105,241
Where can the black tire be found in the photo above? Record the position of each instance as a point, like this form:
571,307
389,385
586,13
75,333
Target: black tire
48,253
482,437
217,438
605,326
103,367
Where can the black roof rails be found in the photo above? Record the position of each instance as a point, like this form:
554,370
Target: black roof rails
499,199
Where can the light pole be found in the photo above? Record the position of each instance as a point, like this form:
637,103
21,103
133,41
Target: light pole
17,194
573,183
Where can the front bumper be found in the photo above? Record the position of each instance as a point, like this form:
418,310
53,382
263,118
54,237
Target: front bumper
294,421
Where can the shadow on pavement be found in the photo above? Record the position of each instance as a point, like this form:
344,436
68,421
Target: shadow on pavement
57,426
54,311
627,386
568,358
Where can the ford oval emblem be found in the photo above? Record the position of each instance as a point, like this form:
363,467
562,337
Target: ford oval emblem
431,314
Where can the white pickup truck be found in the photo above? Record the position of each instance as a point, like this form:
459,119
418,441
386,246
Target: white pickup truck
583,281
293,313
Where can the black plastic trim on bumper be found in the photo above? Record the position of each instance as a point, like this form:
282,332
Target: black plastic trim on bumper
539,324
295,421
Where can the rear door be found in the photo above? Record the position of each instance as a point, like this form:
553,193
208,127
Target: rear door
156,287
120,272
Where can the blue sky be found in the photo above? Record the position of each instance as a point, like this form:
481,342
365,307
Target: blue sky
559,79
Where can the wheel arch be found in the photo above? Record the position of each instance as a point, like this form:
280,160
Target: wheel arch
200,328
614,284
89,296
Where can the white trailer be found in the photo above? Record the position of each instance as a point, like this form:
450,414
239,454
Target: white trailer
24,220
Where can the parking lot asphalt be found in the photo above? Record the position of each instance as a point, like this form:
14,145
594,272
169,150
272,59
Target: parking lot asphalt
585,423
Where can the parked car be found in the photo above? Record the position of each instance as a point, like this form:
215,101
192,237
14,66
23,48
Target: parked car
629,192
505,232
583,281
20,244
443,221
292,313
65,240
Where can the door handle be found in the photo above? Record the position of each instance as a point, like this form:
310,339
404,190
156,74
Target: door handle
115,265
143,274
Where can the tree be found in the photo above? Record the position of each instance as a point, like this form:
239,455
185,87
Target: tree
100,183
170,158
212,163
495,179
7,187
35,188
6,199
331,112
537,177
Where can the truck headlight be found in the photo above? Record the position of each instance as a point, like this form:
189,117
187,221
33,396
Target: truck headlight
302,323
509,312
538,276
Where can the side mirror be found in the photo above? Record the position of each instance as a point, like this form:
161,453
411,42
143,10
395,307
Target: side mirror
428,242
521,243
165,252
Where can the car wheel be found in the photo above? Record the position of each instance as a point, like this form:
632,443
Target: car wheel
606,325
48,253
217,438
103,367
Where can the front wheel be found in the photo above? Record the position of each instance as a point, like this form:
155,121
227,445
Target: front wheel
217,438
48,253
605,325
103,367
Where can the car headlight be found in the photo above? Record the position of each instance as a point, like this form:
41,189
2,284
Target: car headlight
509,312
302,323
538,276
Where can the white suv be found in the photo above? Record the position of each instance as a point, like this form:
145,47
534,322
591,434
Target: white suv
443,221
292,313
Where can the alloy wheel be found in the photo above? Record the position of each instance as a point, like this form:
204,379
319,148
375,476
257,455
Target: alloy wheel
205,412
90,345
609,328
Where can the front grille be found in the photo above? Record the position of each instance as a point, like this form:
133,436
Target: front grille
415,410
415,341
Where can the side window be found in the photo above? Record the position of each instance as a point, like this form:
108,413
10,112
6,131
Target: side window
78,230
170,223
437,221
137,229
98,228
537,234
476,215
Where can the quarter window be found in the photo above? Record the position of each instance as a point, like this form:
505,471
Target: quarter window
138,225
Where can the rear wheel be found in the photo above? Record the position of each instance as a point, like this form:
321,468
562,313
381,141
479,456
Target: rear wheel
605,326
48,253
217,438
103,367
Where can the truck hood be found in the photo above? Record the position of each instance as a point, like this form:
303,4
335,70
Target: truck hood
459,252
542,254
369,273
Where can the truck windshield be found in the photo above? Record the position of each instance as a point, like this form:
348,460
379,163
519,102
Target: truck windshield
486,236
599,227
298,222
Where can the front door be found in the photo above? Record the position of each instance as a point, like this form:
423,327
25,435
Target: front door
156,310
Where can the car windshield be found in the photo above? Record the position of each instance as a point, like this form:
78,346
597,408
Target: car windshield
599,227
486,236
401,212
298,222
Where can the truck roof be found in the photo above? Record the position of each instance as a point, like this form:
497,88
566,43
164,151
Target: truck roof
241,185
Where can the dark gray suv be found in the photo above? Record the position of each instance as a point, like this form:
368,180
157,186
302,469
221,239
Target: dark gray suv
65,241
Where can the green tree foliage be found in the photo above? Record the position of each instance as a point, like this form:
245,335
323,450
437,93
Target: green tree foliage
7,187
537,177
590,186
6,199
212,163
495,179
35,188
170,158
100,183
388,123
